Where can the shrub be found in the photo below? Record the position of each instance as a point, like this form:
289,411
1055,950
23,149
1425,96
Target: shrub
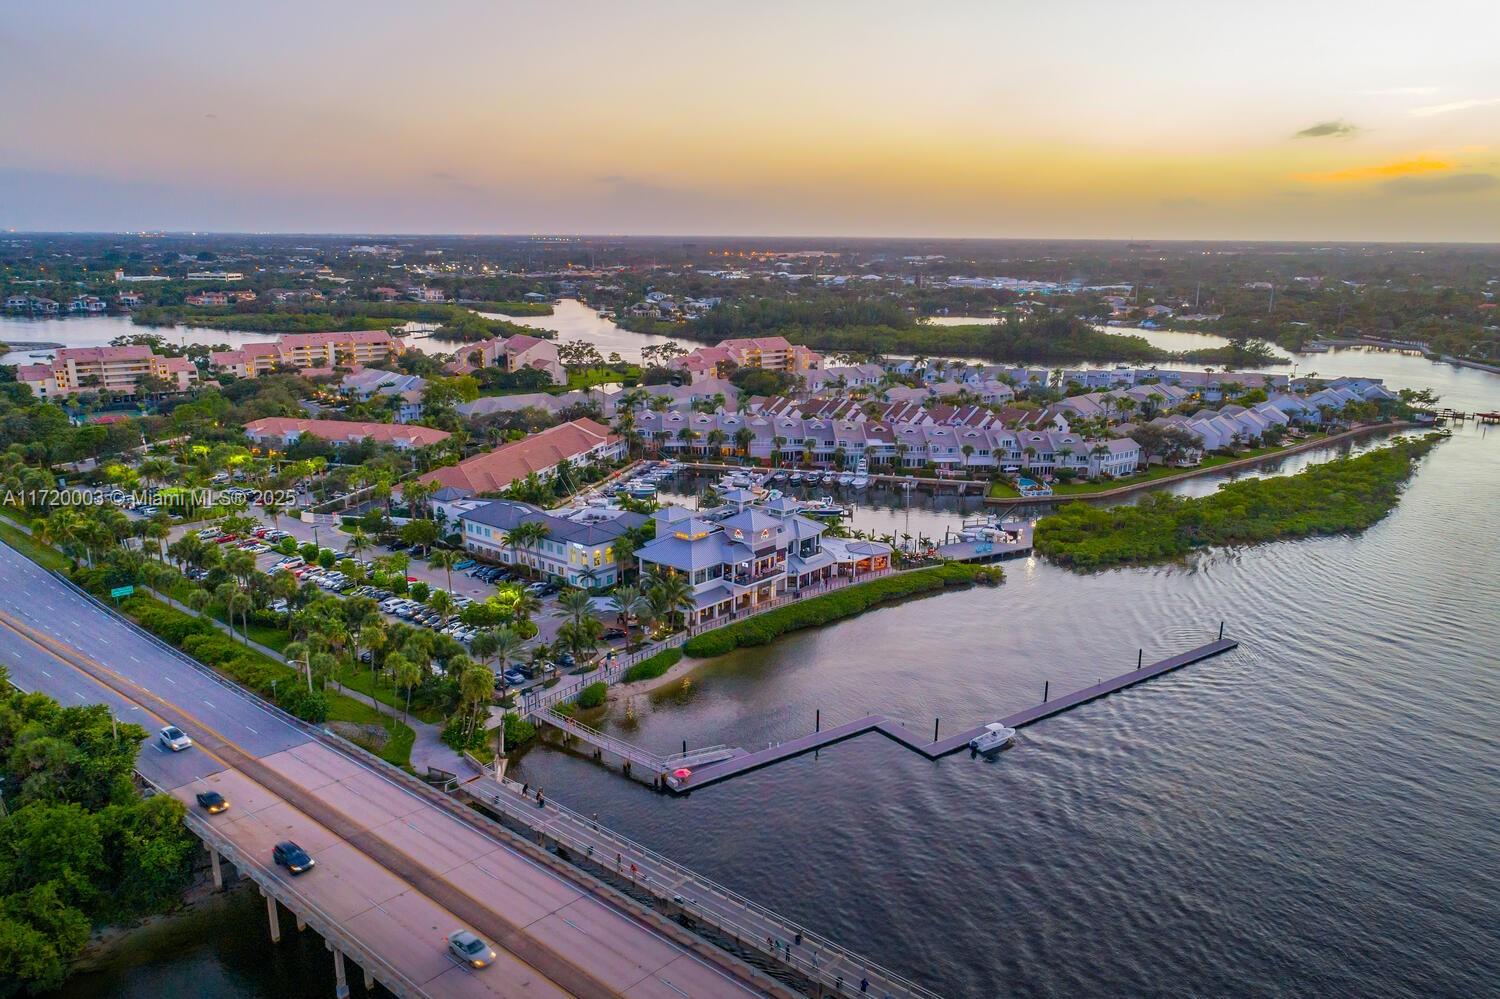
852,600
650,669
593,695
309,705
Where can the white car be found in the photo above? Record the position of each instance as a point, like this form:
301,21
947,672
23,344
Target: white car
175,739
470,949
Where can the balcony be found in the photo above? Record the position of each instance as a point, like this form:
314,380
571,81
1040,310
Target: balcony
751,578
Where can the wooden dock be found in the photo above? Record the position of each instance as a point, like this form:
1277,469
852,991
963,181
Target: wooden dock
936,748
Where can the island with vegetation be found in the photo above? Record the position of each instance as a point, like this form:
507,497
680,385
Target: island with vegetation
1347,494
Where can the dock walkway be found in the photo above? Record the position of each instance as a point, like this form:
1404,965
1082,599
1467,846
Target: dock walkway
941,747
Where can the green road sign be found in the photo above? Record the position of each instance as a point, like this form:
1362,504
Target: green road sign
121,591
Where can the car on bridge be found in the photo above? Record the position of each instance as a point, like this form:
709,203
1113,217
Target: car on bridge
293,857
470,949
175,739
213,802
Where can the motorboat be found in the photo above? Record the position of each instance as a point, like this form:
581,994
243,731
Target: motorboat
823,506
814,478
994,738
641,490
779,477
795,479
846,478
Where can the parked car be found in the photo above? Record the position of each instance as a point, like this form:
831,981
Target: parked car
612,634
515,677
470,949
175,739
213,802
465,564
292,857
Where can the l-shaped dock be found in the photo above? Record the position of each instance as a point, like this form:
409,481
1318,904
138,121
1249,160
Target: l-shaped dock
936,748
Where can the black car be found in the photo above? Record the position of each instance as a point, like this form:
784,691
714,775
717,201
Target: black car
212,801
292,857
612,634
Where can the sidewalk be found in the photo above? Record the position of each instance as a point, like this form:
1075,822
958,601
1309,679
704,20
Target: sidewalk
428,749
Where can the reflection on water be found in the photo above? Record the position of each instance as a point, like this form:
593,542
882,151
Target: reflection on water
572,320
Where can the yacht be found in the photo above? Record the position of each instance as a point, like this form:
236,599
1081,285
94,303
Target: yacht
995,737
796,479
779,477
641,490
845,478
861,475
813,478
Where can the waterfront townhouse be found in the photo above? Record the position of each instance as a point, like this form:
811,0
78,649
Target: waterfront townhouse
577,442
307,352
745,555
844,377
579,548
280,431
88,304
514,353
117,370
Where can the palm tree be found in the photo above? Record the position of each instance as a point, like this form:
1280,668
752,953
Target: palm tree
632,605
743,438
358,543
715,440
476,685
445,560
442,602
670,595
527,534
575,605
483,645
404,673
197,599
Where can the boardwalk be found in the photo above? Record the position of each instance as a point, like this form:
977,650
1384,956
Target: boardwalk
942,747
831,968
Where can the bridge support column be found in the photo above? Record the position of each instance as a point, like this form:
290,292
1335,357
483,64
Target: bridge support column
369,981
340,982
213,859
301,924
272,917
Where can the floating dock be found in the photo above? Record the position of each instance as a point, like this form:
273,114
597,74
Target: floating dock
936,748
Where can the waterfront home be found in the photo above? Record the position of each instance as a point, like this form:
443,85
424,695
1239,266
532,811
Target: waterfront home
581,441
774,353
208,299
285,431
605,400
746,555
520,352
31,303
579,547
119,370
307,353
844,377
88,304
130,300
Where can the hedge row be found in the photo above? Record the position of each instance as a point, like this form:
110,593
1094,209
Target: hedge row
207,644
852,600
593,695
650,669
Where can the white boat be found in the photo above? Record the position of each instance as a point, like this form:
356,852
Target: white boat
823,506
641,490
779,477
846,478
995,737
796,479
813,478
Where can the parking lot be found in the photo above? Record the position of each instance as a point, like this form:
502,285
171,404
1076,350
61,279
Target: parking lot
467,585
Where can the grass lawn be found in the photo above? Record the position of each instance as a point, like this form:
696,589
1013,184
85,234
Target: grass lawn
41,554
1003,490
397,748
271,638
360,680
590,377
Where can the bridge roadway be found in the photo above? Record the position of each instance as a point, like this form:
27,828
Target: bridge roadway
398,868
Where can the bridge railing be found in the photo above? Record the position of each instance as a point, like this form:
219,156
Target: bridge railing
303,907
816,957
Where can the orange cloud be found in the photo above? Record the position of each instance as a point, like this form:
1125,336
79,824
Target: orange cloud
1383,171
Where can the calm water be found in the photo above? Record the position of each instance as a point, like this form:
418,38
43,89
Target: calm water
572,320
1317,813
98,331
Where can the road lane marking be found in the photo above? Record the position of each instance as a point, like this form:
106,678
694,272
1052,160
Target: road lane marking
209,703
46,674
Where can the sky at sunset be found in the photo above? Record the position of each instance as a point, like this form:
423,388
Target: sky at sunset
1071,118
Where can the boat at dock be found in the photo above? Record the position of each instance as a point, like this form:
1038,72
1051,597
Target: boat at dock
846,478
640,490
995,737
861,478
796,479
823,506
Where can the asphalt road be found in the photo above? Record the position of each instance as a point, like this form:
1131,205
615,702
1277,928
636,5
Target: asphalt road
398,869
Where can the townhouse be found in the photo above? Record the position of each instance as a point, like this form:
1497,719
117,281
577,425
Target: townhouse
307,352
284,431
774,353
579,548
576,442
118,370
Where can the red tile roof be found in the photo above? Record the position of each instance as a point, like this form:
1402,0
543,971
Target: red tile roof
494,470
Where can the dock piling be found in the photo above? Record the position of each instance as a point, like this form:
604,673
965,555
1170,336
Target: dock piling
818,720
935,723
1046,686
1221,631
1140,656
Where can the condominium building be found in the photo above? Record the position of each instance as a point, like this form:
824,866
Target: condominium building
579,548
118,370
284,431
307,352
575,442
520,352
773,353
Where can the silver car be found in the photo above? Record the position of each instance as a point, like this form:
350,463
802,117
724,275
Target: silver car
470,949
175,739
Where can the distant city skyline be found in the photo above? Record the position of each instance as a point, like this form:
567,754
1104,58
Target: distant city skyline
1326,121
